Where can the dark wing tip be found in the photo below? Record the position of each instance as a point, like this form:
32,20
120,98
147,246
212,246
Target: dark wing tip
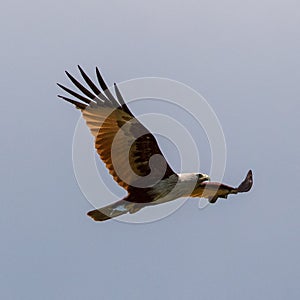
246,185
77,104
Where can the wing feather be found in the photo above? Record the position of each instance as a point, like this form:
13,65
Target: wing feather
126,147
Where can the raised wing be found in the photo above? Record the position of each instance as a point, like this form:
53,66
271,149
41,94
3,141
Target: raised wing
128,149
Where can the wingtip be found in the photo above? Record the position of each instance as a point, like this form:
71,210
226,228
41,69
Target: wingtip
246,185
98,73
80,69
68,74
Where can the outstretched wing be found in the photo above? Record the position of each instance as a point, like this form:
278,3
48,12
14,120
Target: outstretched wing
128,148
214,190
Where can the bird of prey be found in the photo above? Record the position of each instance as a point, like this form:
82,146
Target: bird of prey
132,154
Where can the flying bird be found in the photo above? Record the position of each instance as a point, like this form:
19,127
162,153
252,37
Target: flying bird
132,154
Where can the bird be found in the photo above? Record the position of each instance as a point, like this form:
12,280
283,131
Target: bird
132,155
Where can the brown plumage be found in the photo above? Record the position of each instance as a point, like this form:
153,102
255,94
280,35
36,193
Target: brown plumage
132,155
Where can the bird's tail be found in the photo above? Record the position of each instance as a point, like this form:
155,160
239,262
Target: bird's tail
116,209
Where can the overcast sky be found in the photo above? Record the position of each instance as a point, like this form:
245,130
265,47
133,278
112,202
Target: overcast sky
244,58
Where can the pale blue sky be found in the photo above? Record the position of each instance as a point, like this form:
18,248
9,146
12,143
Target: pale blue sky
243,57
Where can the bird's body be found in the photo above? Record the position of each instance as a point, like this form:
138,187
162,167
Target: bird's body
132,155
